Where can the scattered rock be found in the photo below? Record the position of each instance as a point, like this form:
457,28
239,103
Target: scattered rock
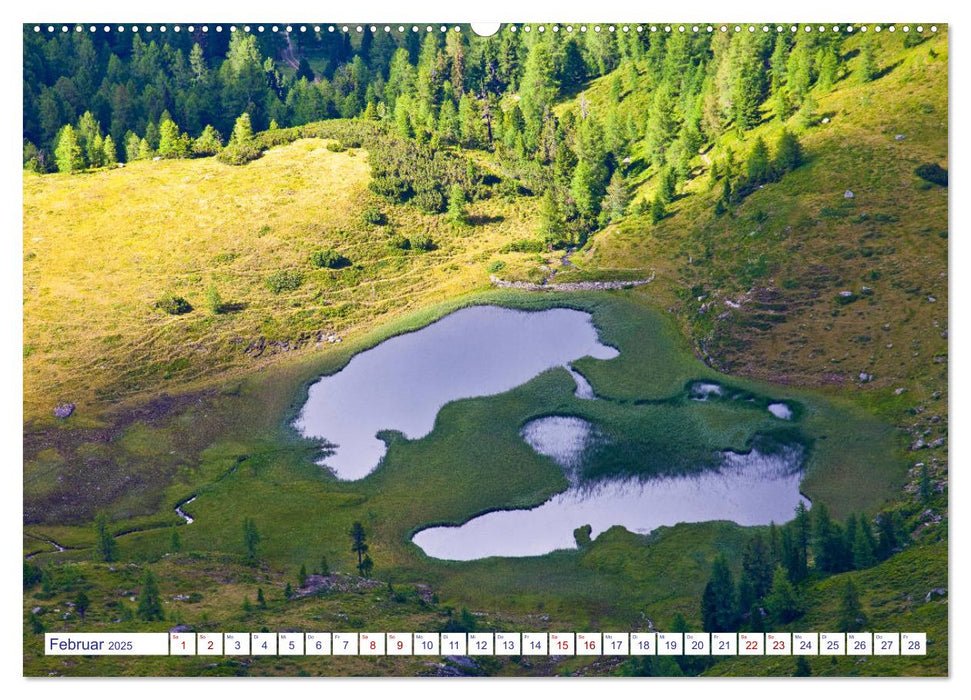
180,628
898,391
848,194
939,442
918,445
899,137
64,410
157,158
886,326
889,345
825,120
846,293
864,377
939,592
932,299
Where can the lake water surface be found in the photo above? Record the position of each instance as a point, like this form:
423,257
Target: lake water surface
402,383
748,489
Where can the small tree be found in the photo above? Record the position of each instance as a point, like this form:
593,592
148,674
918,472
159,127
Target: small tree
68,153
324,566
150,601
367,566
81,603
867,66
110,152
209,142
214,300
618,197
803,669
176,541
657,209
302,576
145,151
242,130
288,591
456,206
788,153
757,166
107,547
260,598
358,543
782,601
851,617
251,540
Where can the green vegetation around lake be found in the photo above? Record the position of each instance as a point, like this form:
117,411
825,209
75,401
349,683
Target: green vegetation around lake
213,221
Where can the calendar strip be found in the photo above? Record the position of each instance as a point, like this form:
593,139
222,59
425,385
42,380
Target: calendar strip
488,644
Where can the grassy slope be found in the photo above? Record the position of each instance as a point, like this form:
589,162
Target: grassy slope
102,247
242,418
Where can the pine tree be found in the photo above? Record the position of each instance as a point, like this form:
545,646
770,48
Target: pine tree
251,540
757,168
132,143
668,184
149,601
358,543
657,209
110,157
242,130
718,612
107,547
617,198
782,602
864,545
851,617
550,219
145,151
68,153
209,142
788,154
801,533
758,566
867,68
807,116
260,598
213,300
803,670
302,576
456,206
81,604
288,591
367,566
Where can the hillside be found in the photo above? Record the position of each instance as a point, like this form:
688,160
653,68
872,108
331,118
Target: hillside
183,291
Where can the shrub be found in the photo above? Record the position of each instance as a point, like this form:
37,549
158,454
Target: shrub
284,281
240,153
497,266
328,258
174,305
423,242
525,245
335,146
430,200
374,216
932,172
399,241
394,188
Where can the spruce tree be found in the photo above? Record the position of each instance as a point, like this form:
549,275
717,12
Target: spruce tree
107,547
864,545
456,206
251,540
757,168
617,198
718,607
782,601
851,617
657,209
788,154
866,69
358,543
150,601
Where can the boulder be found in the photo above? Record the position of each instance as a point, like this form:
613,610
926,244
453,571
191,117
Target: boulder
64,410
